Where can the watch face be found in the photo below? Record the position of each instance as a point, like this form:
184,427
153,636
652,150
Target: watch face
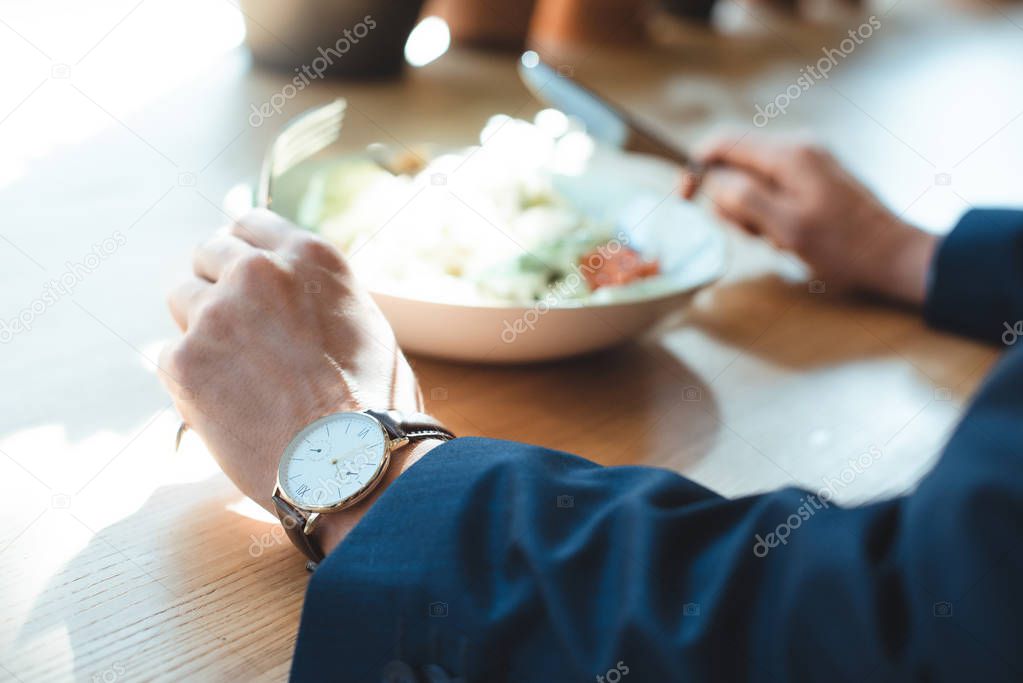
333,460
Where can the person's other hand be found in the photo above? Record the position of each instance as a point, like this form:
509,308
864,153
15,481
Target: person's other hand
799,198
277,333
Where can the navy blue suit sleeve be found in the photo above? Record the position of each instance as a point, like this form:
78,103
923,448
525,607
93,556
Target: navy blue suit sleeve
977,277
498,561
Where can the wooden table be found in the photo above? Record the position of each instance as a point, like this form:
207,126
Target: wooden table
120,560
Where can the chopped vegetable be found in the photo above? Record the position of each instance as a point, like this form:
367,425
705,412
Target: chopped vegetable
604,267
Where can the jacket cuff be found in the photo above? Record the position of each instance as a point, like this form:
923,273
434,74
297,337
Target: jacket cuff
394,572
976,285
454,561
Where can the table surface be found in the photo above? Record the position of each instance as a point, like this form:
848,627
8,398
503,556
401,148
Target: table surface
120,559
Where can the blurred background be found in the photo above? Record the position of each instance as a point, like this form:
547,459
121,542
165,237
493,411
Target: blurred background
130,130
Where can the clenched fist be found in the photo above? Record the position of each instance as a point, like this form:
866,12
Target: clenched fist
277,333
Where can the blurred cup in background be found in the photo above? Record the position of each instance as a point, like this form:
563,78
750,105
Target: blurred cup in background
590,21
692,10
500,25
347,38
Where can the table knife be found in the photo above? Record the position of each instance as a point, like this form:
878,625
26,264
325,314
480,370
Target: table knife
605,121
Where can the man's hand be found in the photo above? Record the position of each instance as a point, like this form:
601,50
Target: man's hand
799,198
277,333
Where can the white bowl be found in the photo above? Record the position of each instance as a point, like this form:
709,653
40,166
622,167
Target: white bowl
639,195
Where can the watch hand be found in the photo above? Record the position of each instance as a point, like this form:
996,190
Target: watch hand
351,455
348,467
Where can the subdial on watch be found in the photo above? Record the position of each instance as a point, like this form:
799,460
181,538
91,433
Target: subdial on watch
315,451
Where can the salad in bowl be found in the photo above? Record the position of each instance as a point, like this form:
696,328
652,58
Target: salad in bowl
535,244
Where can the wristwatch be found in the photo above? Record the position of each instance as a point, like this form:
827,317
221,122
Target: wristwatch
337,461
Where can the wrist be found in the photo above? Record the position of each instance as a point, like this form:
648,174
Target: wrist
334,527
900,264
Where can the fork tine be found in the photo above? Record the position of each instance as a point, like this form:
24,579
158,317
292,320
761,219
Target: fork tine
306,137
313,133
290,136
303,150
329,112
301,138
311,128
297,155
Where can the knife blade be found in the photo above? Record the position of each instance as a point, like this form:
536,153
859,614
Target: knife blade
605,121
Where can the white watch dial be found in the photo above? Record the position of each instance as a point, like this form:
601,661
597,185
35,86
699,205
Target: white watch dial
332,460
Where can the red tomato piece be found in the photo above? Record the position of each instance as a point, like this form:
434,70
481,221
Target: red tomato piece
602,268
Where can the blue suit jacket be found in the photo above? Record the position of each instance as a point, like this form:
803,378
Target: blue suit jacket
496,561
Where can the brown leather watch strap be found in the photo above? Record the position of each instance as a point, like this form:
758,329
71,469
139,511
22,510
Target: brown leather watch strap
412,426
293,520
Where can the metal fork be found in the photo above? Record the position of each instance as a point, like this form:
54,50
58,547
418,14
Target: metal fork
301,138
